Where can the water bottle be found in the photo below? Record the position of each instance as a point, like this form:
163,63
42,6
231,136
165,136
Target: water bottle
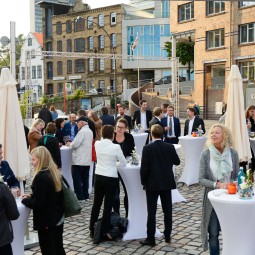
240,174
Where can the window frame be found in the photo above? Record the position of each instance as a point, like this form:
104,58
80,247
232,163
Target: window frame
30,42
69,45
39,71
91,64
186,6
79,24
221,3
81,64
69,68
114,40
101,42
59,46
69,26
90,22
101,64
113,15
248,35
208,47
249,3
33,72
59,28
59,68
101,20
77,42
90,43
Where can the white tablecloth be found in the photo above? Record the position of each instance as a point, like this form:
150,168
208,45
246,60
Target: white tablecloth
66,158
236,217
252,143
192,147
137,206
140,140
19,228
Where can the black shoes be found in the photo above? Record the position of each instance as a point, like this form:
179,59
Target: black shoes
148,242
167,239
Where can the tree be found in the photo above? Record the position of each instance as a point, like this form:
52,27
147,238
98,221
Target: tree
185,51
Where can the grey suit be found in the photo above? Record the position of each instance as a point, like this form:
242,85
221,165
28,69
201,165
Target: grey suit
207,180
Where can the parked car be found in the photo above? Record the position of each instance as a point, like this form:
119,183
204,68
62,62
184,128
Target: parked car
61,115
168,79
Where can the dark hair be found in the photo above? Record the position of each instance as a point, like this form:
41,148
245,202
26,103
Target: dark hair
142,101
165,105
157,111
104,110
250,107
0,146
58,122
157,131
107,131
51,128
192,110
123,121
81,112
122,106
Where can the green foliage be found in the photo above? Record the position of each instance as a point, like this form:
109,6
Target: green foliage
23,102
44,99
185,51
78,93
113,101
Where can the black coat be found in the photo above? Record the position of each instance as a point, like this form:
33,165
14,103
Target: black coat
197,122
107,119
45,115
155,121
8,212
47,204
128,145
128,119
137,117
157,163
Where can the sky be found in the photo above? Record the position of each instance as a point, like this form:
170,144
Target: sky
18,11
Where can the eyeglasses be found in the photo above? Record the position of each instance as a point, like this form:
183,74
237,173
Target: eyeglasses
120,127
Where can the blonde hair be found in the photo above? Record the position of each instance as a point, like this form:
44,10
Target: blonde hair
227,137
45,161
94,115
36,122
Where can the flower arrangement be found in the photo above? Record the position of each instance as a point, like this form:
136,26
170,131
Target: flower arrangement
245,188
135,157
199,131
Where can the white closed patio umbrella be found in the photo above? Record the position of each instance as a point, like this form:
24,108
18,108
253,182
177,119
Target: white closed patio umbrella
12,134
235,118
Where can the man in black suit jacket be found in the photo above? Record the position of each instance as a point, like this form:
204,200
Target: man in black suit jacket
106,118
193,123
171,136
139,114
157,177
122,114
157,112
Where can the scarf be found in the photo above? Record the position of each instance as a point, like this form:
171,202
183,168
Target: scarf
46,138
224,167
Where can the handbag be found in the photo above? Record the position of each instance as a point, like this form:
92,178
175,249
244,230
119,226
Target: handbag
70,201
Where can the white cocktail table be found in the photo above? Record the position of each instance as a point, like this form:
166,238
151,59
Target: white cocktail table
252,143
192,147
140,140
66,158
237,221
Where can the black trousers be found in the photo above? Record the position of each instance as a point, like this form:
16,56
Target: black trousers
51,241
166,201
6,250
105,188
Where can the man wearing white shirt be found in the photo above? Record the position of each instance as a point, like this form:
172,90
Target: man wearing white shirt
172,127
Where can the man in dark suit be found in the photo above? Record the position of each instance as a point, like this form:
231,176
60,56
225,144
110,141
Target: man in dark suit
106,118
157,178
172,127
193,123
122,114
157,112
91,124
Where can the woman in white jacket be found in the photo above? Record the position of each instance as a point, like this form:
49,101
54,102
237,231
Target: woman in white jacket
106,179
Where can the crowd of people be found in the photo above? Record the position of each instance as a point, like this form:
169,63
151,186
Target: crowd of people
111,141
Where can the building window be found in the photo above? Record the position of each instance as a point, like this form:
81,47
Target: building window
151,30
50,89
29,42
91,65
247,33
101,42
142,30
69,45
90,22
162,29
213,7
39,71
215,38
59,28
69,26
60,88
69,66
114,40
165,8
32,53
101,84
91,43
101,64
33,72
22,73
49,46
101,20
49,70
246,3
151,49
248,70
113,18
186,11
79,45
79,66
79,24
59,68
59,46
113,63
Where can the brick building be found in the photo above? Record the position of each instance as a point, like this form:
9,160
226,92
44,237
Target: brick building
224,34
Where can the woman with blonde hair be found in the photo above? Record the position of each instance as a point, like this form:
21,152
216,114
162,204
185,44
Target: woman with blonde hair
35,133
92,115
46,201
218,164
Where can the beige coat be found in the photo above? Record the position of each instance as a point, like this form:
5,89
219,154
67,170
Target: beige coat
33,137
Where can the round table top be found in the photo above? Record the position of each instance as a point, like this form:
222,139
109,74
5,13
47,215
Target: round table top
139,134
65,148
222,196
190,137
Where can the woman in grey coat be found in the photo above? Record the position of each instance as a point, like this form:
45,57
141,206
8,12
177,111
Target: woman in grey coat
217,164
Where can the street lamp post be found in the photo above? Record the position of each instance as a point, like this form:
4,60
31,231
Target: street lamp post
115,66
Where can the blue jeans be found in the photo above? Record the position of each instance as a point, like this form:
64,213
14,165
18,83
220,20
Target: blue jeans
214,231
80,176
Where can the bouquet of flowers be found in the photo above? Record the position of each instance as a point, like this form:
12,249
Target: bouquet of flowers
245,188
135,157
200,131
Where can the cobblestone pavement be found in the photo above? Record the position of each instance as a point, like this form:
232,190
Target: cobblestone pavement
185,234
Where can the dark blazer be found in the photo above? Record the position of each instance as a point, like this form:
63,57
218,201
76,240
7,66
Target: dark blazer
155,121
45,115
8,212
47,204
128,119
177,126
67,128
60,135
157,163
197,122
128,145
107,119
137,117
8,174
